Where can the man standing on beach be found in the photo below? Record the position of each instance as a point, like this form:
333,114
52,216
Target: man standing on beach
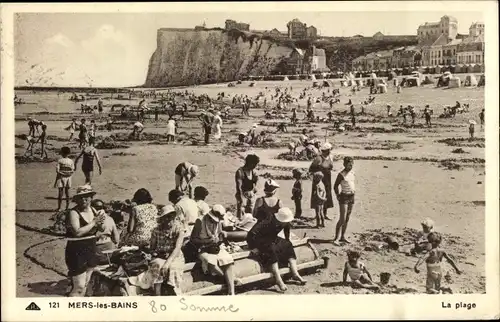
207,120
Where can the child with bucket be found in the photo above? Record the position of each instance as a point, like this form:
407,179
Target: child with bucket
357,272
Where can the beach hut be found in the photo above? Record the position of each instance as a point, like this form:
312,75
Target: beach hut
481,81
470,80
454,82
470,68
382,88
286,79
477,68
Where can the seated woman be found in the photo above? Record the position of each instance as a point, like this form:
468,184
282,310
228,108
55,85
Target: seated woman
107,234
142,220
166,243
274,250
269,204
207,236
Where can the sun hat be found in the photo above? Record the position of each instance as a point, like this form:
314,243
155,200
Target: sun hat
326,146
284,215
270,185
217,213
84,191
168,209
472,122
427,222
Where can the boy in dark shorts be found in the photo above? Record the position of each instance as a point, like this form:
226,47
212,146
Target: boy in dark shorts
297,192
345,196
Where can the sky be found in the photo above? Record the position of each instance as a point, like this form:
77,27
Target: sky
113,49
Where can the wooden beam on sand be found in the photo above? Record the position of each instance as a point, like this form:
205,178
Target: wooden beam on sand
259,277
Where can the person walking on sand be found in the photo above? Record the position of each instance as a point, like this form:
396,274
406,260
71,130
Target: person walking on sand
64,170
433,260
89,153
206,121
324,164
42,139
345,180
427,115
82,135
481,117
472,123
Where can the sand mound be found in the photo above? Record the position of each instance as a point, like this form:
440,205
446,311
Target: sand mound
20,159
109,143
464,142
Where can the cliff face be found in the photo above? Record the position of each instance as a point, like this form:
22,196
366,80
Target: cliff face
187,57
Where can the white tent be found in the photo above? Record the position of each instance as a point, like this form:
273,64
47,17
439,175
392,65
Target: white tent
412,81
373,75
285,79
350,76
454,82
471,80
313,77
382,88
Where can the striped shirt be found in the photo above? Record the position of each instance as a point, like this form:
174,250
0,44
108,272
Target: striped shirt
347,183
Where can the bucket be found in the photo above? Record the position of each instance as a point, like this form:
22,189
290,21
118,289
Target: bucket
392,243
384,278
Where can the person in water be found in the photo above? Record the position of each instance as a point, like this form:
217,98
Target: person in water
89,153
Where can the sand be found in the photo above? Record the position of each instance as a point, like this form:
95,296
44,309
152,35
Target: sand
402,177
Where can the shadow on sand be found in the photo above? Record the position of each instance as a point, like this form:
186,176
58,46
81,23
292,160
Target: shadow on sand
54,288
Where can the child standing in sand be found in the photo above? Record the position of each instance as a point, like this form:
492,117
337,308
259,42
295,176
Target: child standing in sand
319,198
345,180
42,139
64,170
297,192
357,272
433,260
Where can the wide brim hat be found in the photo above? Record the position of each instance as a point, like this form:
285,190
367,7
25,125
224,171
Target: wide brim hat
270,185
84,190
166,210
427,222
218,212
284,215
472,122
326,146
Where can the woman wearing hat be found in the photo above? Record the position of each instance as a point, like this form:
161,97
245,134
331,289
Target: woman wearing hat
166,241
324,164
207,237
246,185
82,226
273,250
185,173
269,204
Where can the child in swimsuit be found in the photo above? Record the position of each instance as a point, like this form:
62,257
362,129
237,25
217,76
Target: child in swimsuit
433,260
297,192
64,170
357,272
319,198
41,139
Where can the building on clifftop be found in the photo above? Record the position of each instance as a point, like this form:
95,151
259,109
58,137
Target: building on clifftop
299,30
430,31
231,24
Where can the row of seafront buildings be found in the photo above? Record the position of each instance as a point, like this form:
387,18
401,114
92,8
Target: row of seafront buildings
439,45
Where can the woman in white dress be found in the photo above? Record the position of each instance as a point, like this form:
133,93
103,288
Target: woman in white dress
217,125
170,130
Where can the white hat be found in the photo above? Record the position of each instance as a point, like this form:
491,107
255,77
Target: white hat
270,185
427,222
284,215
326,146
472,122
219,209
255,125
168,209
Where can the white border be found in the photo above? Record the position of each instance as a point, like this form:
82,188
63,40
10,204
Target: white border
257,307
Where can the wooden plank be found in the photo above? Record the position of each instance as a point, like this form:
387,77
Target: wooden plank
255,278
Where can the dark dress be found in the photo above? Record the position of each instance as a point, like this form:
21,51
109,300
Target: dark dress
81,254
88,159
324,165
264,211
272,249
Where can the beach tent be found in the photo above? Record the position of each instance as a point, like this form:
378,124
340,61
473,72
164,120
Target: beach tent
359,82
382,88
471,80
373,75
412,81
477,68
285,79
313,77
328,83
481,81
454,82
428,80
